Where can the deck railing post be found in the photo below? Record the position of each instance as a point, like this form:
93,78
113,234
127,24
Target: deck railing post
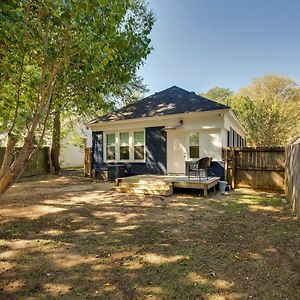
233,169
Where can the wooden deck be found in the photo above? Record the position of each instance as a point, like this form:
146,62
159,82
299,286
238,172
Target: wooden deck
162,184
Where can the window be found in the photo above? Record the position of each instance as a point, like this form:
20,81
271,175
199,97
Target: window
243,142
111,146
138,145
194,145
231,137
124,145
228,138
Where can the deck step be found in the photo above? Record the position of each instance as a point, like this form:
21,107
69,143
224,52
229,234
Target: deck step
154,182
144,191
145,186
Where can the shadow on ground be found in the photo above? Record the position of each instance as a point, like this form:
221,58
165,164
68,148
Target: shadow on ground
72,238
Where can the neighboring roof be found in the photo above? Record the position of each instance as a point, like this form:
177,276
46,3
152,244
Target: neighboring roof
173,100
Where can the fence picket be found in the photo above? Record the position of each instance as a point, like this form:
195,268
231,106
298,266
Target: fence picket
39,163
292,176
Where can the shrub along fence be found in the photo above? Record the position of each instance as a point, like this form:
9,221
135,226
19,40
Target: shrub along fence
257,168
39,164
292,176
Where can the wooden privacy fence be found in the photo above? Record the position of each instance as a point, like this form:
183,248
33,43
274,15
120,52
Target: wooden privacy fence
292,176
39,164
257,168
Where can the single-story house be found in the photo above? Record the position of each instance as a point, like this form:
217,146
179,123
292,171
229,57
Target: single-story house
163,133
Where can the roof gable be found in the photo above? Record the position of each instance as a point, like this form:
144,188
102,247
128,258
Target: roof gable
173,100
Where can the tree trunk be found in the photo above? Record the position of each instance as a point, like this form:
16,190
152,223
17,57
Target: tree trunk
29,146
56,142
16,169
25,154
8,156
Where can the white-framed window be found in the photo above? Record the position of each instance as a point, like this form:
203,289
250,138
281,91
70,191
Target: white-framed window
125,146
111,146
138,145
194,145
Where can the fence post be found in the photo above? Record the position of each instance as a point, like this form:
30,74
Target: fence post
233,169
292,178
225,158
87,162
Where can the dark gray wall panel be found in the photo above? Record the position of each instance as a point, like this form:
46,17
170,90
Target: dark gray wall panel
156,154
136,168
97,148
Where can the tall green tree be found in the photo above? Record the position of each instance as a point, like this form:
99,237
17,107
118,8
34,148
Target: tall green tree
218,94
269,109
45,42
68,103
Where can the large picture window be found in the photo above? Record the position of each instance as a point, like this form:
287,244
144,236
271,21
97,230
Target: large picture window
139,145
194,148
111,146
124,146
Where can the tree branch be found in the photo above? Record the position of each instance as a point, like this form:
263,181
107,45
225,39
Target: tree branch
8,155
18,94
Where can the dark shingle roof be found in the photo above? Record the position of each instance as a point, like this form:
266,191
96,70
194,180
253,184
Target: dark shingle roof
173,100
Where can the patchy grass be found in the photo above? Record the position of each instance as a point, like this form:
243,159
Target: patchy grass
72,238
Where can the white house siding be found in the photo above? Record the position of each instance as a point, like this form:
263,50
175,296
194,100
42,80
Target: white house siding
209,127
71,154
178,147
176,151
237,136
224,134
211,144
194,120
230,121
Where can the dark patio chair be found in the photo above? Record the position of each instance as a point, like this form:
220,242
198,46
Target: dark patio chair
200,168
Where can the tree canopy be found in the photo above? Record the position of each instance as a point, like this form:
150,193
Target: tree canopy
52,48
218,94
269,109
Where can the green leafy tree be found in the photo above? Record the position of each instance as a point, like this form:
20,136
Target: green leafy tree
132,92
93,46
269,109
68,103
218,94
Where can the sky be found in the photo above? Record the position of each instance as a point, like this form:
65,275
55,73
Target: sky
200,44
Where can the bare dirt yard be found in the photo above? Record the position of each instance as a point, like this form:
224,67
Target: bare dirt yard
74,238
